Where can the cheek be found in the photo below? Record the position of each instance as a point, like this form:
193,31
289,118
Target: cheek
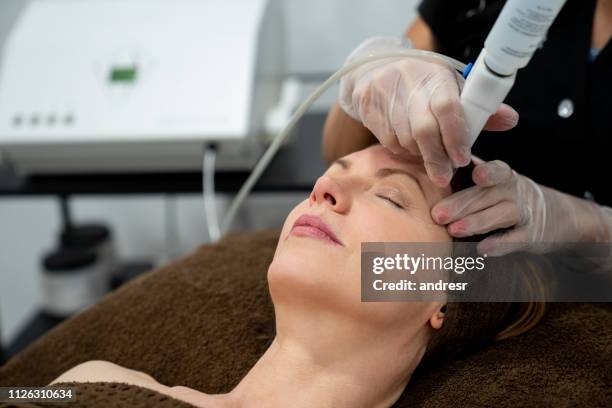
378,222
289,221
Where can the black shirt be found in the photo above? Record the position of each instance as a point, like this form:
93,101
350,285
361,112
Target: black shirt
570,153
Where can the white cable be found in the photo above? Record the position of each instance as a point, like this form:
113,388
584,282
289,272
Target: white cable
208,190
278,140
171,228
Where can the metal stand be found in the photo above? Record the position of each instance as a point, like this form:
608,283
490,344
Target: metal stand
65,212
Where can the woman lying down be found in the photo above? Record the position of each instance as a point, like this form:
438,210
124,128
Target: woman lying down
331,349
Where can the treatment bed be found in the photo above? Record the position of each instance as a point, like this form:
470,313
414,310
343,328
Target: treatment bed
204,320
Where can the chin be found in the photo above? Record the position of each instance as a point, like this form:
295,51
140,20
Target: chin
301,268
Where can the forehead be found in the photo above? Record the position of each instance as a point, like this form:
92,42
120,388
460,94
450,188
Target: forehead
370,159
376,156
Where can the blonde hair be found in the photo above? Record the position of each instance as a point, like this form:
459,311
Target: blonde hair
529,313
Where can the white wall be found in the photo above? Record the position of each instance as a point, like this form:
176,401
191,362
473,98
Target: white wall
320,34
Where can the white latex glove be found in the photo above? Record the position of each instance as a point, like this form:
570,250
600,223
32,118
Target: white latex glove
413,104
502,198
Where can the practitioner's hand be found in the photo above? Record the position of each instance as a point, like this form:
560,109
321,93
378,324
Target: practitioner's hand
533,214
411,104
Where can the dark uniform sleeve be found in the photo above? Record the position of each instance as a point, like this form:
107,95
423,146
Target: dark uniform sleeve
460,26
438,14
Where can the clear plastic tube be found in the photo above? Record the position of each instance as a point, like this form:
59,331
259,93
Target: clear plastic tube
208,191
268,155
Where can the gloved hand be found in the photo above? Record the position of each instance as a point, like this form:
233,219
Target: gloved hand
534,214
413,104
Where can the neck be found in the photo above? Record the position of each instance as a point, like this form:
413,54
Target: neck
291,374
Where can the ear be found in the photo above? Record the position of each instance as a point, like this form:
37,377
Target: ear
437,319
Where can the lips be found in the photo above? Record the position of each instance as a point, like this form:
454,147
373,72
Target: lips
313,226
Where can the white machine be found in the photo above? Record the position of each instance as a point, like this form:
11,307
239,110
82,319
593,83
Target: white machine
138,85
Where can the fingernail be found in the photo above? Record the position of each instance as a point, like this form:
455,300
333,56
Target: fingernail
440,180
485,248
461,157
441,216
512,119
443,179
458,228
480,176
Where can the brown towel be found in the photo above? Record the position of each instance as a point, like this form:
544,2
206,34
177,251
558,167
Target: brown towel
204,320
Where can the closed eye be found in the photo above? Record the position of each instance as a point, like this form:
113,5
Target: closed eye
390,200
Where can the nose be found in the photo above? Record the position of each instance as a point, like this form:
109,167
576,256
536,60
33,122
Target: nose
329,192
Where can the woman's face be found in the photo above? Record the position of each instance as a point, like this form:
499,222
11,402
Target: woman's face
368,196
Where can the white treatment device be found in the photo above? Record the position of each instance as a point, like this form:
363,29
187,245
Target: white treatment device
518,31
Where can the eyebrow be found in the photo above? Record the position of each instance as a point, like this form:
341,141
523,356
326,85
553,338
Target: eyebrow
382,173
